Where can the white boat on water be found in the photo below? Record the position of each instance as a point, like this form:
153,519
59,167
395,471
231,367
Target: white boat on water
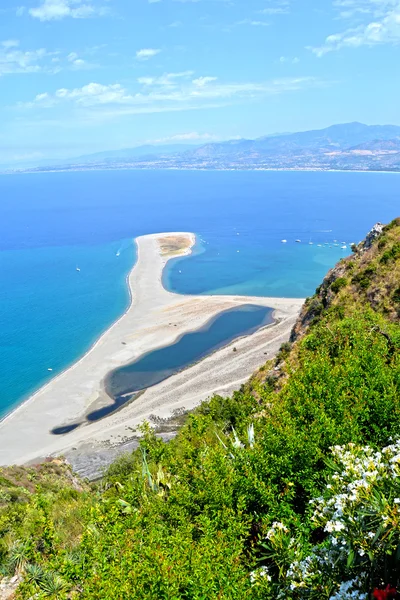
344,247
298,241
77,268
283,241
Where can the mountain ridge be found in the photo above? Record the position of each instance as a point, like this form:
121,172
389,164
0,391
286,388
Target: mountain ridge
348,146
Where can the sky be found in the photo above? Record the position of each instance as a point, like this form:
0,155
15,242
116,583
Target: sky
82,76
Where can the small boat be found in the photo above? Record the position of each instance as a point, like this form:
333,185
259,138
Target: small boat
344,247
298,241
77,268
118,253
319,245
311,243
283,241
49,369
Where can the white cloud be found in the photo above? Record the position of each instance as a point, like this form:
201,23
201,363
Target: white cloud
287,59
10,44
383,29
95,94
78,63
169,80
279,7
147,53
52,10
13,60
200,82
109,101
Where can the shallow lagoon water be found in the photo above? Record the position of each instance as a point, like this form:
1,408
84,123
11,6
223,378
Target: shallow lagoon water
52,223
155,366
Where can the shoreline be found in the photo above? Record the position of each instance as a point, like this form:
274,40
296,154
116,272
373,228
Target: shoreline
249,169
145,326
31,397
93,345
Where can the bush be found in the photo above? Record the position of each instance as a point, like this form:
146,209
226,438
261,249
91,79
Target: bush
392,254
338,284
364,278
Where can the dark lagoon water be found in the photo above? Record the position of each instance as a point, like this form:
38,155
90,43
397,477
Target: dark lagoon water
53,223
160,364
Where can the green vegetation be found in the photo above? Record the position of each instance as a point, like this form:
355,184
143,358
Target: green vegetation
338,284
289,489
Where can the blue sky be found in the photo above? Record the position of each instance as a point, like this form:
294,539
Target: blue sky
80,76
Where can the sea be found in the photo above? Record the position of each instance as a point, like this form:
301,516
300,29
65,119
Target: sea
66,248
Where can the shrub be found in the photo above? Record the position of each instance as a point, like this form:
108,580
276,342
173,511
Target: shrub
392,254
364,278
338,284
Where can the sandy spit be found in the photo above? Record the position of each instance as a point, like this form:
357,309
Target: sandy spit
155,318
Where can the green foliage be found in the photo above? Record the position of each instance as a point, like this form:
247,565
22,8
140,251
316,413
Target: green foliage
391,254
363,278
338,284
233,507
284,352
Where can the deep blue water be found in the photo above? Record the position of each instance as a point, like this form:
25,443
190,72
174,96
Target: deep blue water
52,223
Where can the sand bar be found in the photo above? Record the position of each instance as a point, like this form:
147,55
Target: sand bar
155,318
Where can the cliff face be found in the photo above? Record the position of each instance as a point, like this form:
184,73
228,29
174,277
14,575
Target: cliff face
370,277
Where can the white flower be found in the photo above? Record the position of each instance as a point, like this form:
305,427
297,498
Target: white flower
261,573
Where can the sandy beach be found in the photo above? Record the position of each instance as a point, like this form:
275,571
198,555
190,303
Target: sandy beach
155,318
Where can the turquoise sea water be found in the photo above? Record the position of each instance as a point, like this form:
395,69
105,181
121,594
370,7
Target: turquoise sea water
52,223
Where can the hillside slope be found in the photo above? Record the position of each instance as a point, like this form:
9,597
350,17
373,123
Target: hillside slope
290,489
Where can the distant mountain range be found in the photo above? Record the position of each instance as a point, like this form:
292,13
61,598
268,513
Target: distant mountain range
350,146
146,151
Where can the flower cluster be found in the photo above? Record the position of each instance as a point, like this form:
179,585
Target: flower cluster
387,594
359,514
361,506
276,528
